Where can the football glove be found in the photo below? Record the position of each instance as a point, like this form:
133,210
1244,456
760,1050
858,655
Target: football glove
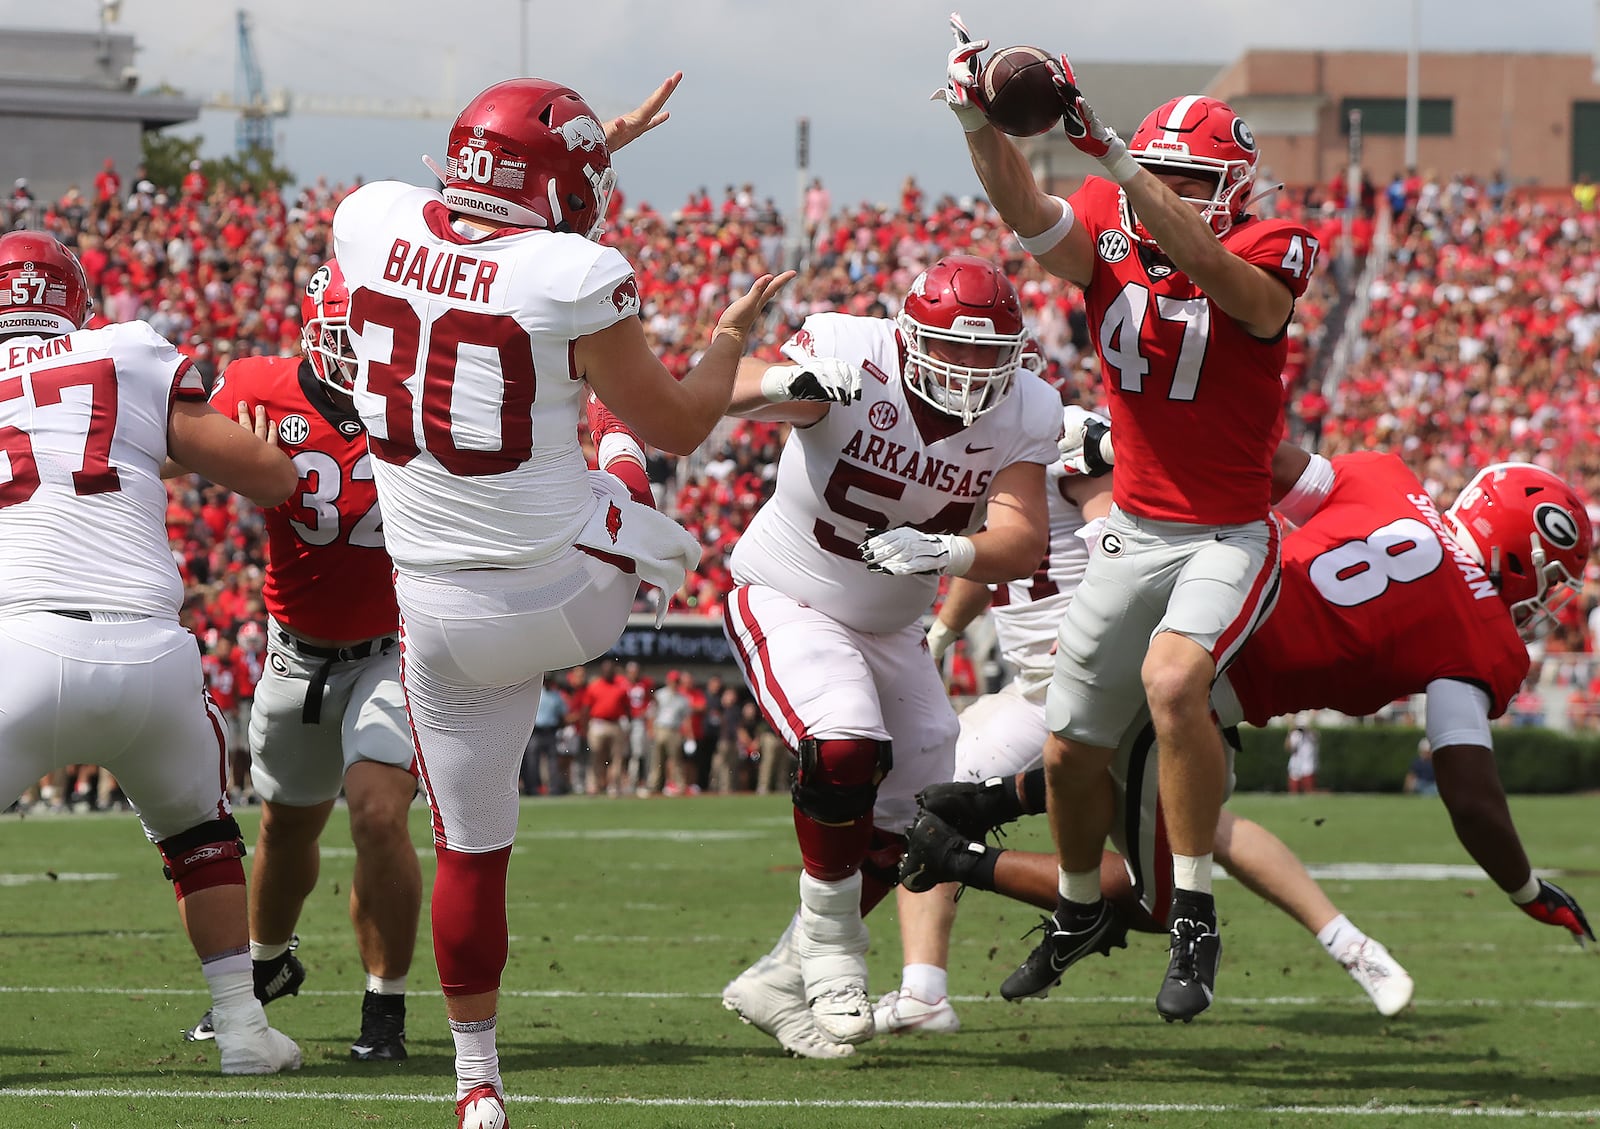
1085,444
1085,129
906,552
826,380
1554,906
939,639
960,91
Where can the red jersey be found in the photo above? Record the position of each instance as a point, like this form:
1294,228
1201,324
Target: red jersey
221,681
1176,368
1377,601
328,574
606,699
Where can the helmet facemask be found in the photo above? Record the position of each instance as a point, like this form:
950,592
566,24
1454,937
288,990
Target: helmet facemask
326,341
963,391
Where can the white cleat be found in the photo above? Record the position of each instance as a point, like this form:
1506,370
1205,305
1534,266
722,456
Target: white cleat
266,1051
901,1013
844,1013
483,1108
1370,965
771,997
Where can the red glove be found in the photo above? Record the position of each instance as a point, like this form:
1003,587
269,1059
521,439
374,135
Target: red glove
1554,906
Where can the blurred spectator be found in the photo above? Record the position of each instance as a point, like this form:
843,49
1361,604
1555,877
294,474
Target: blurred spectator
1303,746
670,729
1419,778
543,774
604,706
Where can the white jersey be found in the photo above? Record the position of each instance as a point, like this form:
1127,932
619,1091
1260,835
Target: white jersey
83,425
1027,613
465,380
868,466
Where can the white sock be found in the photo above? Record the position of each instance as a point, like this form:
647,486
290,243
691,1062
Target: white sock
784,952
1338,934
928,982
1082,887
394,986
1192,873
258,951
229,977
477,1059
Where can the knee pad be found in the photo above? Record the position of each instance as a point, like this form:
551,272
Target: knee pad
837,780
204,856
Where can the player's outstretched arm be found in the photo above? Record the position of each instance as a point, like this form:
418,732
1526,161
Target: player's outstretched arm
209,443
793,393
631,381
1004,172
644,117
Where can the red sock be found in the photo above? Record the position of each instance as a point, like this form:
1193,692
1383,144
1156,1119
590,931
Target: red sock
880,872
634,478
469,920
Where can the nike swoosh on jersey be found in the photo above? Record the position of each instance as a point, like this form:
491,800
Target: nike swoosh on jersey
971,450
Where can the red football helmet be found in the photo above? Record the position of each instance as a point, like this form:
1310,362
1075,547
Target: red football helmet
1531,533
1203,138
529,153
324,328
43,290
962,301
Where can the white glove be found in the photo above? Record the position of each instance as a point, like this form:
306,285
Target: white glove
825,380
960,92
1085,444
906,552
940,637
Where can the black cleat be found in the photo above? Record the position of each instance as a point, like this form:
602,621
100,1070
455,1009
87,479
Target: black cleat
973,810
1192,968
935,853
274,979
383,1029
1062,948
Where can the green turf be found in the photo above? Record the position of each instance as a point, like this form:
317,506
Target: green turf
628,917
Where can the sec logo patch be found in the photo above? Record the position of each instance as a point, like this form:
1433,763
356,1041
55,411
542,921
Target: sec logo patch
883,415
293,430
1113,246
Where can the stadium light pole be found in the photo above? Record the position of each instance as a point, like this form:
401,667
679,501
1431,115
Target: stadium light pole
1411,83
522,43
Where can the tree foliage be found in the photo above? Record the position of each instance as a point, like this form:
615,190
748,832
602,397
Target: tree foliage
167,157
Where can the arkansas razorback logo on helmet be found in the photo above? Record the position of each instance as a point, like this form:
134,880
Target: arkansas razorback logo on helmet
613,521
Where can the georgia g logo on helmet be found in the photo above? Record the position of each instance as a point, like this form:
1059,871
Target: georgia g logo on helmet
1555,525
318,284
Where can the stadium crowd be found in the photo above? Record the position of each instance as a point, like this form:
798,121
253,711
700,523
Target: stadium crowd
1480,343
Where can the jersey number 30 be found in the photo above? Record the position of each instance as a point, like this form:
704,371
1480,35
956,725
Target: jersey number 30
492,341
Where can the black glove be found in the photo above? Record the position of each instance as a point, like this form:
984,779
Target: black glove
1554,906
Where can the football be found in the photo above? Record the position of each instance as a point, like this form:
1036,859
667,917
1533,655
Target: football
1019,92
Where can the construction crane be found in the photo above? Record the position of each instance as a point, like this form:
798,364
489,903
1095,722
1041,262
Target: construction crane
257,109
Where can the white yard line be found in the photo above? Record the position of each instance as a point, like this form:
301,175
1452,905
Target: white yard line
1373,1109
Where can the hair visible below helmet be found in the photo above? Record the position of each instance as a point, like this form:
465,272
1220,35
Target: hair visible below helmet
325,328
1532,535
529,153
43,290
1201,137
964,301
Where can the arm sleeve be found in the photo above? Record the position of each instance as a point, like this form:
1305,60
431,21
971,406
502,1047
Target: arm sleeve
1310,490
1458,714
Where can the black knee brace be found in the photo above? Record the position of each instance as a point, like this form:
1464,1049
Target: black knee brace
837,779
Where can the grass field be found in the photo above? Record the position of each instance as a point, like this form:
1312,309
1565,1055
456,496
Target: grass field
628,917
